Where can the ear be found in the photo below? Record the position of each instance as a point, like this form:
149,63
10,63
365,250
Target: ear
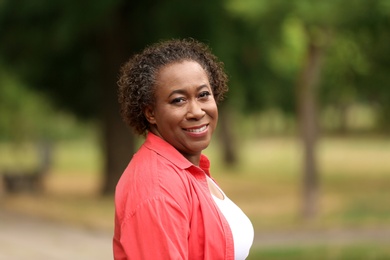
149,114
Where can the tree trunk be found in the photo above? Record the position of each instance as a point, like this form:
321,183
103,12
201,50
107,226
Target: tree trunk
227,137
307,112
118,140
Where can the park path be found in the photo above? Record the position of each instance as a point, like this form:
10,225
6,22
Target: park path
23,238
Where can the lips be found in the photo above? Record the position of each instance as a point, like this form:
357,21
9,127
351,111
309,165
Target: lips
197,130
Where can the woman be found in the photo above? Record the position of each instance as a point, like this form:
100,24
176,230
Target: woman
167,205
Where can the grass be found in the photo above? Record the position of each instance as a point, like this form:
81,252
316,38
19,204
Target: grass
266,184
354,177
346,252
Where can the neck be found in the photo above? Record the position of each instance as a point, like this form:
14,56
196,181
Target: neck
194,159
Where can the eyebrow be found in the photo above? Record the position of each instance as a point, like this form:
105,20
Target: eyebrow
182,91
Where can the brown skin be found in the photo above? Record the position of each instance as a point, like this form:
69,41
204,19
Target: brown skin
171,89
138,77
185,113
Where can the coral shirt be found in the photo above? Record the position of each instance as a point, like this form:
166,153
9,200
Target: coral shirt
164,209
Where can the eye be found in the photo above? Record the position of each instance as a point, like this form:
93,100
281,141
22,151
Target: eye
204,95
178,100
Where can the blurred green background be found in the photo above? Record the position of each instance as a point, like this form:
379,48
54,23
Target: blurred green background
303,141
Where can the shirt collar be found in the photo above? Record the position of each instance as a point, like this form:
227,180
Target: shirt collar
166,150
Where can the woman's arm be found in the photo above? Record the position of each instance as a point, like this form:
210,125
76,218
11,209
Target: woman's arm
158,229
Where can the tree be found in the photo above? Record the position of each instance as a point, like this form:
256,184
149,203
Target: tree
72,50
299,38
59,48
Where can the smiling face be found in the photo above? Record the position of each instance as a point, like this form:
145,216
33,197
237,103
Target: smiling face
185,113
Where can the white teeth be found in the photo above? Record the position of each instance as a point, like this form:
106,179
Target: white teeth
197,130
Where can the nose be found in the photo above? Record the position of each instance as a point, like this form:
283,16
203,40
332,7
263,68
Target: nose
195,111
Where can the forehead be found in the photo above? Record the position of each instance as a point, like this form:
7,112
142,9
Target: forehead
180,64
184,72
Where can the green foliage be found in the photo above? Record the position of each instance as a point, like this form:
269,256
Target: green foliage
69,49
27,121
65,48
51,46
27,115
21,111
354,34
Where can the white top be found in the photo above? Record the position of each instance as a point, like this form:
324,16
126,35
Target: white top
240,225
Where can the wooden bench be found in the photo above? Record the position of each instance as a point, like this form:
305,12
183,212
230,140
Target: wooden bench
17,181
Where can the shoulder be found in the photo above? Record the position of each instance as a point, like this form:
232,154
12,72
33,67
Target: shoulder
149,176
148,169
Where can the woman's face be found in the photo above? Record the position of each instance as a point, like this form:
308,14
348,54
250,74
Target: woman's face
185,113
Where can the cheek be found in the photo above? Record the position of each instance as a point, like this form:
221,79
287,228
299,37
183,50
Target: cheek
213,112
170,116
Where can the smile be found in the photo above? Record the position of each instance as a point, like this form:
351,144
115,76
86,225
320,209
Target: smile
197,130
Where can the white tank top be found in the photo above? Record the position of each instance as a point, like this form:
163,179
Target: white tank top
240,225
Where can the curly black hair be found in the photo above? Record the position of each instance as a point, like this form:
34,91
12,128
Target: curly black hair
138,76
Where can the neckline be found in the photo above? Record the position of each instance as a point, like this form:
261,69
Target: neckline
211,181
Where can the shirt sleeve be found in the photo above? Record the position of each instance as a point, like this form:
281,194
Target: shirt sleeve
158,229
